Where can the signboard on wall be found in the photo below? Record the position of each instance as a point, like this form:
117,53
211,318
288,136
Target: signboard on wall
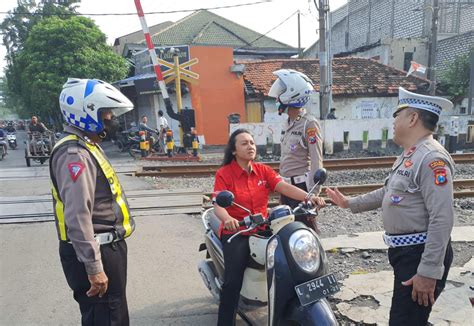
366,110
143,62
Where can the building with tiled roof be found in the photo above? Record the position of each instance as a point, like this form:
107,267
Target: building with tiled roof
136,37
204,28
355,80
351,76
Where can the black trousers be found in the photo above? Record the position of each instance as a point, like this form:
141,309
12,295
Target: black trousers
293,202
236,256
405,260
111,309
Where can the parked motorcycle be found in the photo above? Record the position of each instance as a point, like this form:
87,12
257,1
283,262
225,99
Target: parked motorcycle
156,146
287,269
11,138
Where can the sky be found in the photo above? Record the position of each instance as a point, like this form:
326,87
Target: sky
258,17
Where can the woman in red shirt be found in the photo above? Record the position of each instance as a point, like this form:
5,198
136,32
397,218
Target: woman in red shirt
251,183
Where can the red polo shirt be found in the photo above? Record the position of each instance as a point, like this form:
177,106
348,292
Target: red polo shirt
250,189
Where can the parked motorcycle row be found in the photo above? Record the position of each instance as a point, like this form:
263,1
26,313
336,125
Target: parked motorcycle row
129,141
287,269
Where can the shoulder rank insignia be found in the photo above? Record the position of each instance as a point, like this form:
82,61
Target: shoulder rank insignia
440,176
75,170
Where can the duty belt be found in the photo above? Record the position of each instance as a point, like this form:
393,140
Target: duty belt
404,239
105,238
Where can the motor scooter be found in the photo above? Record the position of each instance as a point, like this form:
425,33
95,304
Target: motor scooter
11,138
287,268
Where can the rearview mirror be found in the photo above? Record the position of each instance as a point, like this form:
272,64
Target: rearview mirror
320,176
225,198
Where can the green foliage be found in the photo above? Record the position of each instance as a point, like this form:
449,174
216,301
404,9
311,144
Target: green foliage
455,79
16,26
57,49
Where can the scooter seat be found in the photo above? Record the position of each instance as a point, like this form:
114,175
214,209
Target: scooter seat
214,223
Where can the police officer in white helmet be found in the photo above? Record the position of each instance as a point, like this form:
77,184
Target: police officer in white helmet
91,210
301,142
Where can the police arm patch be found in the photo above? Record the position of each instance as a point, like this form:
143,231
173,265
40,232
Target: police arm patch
440,177
311,135
75,170
437,164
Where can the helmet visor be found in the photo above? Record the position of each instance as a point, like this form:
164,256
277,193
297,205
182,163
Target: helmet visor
277,89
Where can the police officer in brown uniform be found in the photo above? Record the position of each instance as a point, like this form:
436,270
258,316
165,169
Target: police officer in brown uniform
91,210
417,209
301,142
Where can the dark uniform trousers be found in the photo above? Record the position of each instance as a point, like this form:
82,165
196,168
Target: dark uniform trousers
293,202
236,257
405,260
111,309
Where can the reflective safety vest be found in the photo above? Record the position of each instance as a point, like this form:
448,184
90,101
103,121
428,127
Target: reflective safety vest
124,224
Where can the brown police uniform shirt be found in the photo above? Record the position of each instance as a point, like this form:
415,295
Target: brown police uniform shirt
88,202
301,147
418,197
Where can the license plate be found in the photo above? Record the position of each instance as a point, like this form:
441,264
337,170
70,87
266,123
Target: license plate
317,289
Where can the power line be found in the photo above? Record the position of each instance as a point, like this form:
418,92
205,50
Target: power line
134,13
271,30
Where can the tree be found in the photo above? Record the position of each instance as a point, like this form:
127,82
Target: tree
57,49
19,22
455,79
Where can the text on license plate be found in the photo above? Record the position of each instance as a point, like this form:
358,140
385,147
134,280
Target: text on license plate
316,289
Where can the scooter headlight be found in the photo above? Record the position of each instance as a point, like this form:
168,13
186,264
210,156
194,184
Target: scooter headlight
305,250
271,247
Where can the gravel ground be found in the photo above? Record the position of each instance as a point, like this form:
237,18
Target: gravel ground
345,177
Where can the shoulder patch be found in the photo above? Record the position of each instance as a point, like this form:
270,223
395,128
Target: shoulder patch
440,178
311,135
75,170
437,164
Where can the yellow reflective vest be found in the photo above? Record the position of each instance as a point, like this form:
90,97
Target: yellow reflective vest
124,225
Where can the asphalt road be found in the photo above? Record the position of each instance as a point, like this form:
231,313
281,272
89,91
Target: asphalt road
164,287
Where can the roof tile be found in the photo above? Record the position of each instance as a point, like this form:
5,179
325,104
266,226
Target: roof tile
351,76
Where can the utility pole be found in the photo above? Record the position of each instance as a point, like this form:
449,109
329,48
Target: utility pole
324,91
433,44
471,85
299,37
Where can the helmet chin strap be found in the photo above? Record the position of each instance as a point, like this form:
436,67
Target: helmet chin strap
102,134
282,108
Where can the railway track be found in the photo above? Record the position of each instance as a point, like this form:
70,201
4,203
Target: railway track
463,188
332,165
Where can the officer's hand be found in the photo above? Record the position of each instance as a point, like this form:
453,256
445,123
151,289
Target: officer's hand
317,202
337,197
99,284
423,289
231,224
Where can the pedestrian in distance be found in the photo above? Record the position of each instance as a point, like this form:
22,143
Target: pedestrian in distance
251,184
417,209
90,207
332,114
301,142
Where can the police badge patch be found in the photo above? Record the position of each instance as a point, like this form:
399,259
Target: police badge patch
311,135
440,177
75,170
396,199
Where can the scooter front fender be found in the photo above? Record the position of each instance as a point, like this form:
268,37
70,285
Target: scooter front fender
318,313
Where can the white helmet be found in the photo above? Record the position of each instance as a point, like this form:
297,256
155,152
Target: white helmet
292,88
82,100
